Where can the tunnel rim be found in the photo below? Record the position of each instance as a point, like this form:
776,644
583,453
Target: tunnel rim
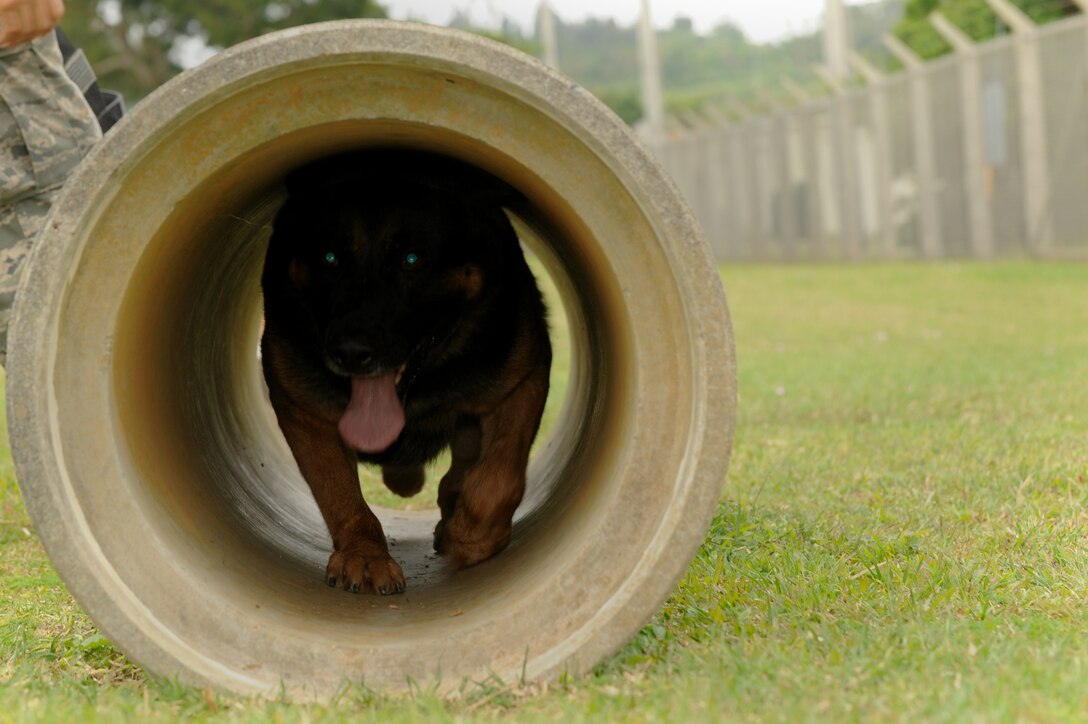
34,439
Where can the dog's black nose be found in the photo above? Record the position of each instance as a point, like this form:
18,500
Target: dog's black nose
351,356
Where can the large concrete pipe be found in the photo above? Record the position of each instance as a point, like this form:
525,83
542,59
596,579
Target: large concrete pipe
149,456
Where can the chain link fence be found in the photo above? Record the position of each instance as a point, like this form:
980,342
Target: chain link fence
978,154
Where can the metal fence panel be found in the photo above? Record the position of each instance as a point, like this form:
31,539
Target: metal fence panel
947,118
908,166
1064,60
1003,148
904,191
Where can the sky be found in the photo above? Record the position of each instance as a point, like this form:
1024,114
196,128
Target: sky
761,20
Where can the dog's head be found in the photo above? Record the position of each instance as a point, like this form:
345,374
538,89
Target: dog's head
377,257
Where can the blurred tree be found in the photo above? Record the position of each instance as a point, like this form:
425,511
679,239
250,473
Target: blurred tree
136,45
625,102
509,33
974,17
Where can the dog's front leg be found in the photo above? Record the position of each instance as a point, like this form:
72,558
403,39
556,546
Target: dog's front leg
360,560
479,502
464,452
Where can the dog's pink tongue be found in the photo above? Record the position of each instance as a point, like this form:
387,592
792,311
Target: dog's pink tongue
374,417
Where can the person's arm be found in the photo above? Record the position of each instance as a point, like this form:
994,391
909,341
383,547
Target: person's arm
23,20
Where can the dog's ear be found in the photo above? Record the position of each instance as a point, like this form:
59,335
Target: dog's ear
384,169
316,177
462,180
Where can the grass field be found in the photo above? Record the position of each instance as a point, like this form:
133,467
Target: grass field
903,535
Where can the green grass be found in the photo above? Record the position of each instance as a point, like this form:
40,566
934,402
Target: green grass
903,535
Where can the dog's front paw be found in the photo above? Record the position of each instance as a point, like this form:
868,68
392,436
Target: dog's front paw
463,546
405,482
358,572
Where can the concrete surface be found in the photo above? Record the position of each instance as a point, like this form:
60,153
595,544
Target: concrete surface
149,457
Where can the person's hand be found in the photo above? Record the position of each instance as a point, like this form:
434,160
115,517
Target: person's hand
23,20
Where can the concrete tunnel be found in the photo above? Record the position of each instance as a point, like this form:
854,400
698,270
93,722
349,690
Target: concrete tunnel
148,454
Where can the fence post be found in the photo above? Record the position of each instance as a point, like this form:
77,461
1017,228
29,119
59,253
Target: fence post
1083,5
843,144
973,138
878,107
924,161
545,18
1036,160
653,104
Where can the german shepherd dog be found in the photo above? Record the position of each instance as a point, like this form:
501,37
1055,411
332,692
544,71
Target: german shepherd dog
401,319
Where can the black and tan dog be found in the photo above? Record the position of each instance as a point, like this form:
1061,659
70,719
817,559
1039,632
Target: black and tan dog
402,319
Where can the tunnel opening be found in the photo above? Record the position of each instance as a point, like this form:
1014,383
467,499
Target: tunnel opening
193,408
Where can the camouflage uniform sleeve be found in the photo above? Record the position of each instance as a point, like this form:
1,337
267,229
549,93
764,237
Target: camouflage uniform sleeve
46,127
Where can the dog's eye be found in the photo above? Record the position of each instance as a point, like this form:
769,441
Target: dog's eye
411,260
331,259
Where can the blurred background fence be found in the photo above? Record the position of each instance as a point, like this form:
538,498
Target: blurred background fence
931,129
982,153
